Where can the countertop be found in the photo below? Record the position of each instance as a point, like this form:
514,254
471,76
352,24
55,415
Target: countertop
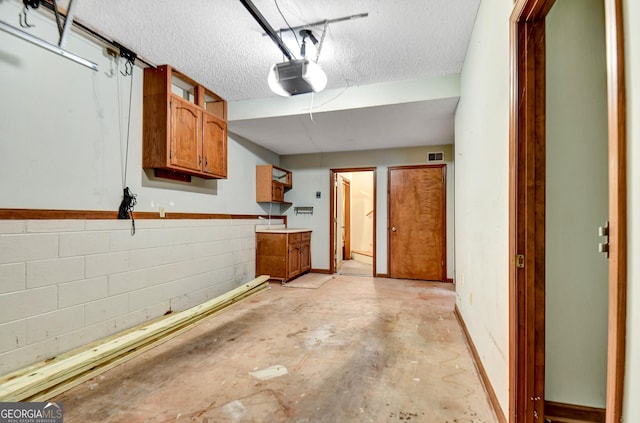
282,230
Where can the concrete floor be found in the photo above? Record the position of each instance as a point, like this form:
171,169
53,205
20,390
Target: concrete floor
356,268
357,349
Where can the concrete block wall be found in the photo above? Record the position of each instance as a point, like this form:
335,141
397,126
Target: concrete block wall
66,283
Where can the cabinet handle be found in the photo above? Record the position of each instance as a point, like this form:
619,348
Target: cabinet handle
206,161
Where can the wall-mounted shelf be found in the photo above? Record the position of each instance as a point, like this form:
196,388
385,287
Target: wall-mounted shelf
303,210
272,182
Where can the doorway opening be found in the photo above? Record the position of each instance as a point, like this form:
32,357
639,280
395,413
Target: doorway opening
528,213
353,221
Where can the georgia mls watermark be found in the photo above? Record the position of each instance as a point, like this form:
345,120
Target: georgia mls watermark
31,412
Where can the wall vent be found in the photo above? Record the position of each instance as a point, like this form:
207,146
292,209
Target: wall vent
436,156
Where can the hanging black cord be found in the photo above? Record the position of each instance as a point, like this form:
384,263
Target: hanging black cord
126,208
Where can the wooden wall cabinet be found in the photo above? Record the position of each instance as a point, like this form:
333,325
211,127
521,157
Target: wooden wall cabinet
282,255
184,126
272,182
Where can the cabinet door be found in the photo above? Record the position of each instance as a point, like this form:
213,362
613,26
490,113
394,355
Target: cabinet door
305,256
277,191
293,267
271,255
214,146
186,135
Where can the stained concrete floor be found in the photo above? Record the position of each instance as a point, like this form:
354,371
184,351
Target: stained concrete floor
357,349
356,268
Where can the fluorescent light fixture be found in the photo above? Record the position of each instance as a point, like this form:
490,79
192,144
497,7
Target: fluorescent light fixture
296,77
48,46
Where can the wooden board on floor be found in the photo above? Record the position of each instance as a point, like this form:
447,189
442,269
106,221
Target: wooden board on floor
26,383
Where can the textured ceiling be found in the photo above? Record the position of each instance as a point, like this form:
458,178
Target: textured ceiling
218,43
371,128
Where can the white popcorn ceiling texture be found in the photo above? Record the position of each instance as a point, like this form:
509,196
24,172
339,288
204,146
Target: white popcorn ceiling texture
218,43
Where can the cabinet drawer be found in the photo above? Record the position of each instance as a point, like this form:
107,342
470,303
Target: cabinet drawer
294,238
305,236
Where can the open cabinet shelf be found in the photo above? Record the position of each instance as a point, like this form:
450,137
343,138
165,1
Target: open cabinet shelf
272,182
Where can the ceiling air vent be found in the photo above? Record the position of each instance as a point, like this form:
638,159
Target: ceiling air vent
436,156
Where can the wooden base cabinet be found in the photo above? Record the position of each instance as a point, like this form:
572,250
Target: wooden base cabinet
281,255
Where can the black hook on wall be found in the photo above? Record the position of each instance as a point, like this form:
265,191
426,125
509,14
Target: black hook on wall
33,4
130,58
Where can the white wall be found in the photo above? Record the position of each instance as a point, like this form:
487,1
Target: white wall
631,10
60,135
311,174
576,204
482,192
66,283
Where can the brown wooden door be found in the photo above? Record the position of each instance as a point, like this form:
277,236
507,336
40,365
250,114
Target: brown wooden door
417,222
214,145
186,134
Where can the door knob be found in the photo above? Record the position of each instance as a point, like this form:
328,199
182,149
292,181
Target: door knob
393,229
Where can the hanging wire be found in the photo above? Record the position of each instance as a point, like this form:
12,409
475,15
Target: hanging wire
120,135
303,124
324,33
129,201
126,160
311,108
124,156
347,81
285,21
